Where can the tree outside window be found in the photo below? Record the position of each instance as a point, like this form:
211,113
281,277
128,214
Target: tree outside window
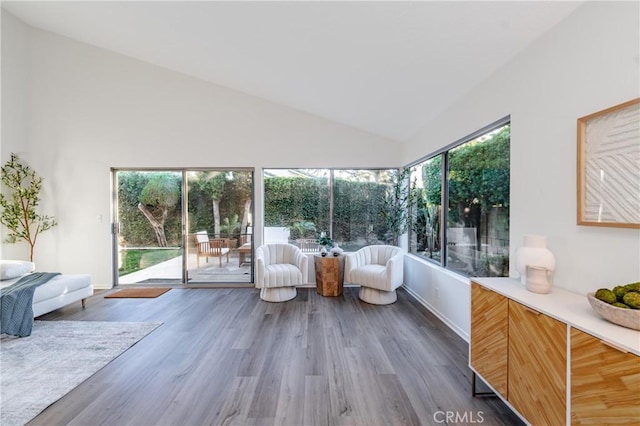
476,218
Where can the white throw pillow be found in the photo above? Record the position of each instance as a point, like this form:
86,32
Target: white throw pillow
10,269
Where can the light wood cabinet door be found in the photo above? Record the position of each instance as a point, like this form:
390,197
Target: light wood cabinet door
537,365
489,336
605,383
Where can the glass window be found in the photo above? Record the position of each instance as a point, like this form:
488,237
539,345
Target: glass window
477,198
358,196
425,232
302,203
296,206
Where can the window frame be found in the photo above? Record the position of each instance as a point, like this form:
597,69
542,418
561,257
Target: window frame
444,196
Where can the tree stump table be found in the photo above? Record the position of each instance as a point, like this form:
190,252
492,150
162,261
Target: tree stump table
329,274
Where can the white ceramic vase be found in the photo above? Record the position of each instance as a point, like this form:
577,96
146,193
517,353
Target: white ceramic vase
534,252
539,279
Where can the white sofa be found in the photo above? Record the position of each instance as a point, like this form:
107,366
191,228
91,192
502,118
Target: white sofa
54,294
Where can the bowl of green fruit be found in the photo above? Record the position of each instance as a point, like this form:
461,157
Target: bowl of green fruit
619,305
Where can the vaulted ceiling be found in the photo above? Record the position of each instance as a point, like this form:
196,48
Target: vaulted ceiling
385,67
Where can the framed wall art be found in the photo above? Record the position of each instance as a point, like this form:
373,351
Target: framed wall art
609,167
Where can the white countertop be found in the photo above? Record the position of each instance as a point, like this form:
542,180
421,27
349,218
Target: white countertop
571,308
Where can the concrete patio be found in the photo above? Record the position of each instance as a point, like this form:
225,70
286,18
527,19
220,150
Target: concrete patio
211,272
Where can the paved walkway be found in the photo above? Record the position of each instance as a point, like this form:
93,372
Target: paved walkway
208,272
169,269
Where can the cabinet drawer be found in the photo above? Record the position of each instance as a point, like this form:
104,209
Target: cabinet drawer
605,382
537,365
489,336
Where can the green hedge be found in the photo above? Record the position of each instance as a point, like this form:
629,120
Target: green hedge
355,212
287,200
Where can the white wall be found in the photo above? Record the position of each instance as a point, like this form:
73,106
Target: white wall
15,94
587,63
445,293
90,110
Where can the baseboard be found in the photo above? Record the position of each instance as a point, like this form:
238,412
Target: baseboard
438,314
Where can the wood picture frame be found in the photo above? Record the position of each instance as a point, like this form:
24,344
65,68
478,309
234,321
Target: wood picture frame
609,167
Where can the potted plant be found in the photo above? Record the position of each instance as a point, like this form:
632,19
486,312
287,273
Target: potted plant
326,243
19,207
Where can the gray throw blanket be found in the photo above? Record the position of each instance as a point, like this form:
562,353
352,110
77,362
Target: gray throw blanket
16,303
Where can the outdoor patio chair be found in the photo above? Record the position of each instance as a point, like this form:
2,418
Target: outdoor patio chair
211,247
308,245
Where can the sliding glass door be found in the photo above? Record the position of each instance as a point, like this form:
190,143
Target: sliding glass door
183,226
148,226
219,214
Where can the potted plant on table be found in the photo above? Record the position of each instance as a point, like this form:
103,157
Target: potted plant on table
326,243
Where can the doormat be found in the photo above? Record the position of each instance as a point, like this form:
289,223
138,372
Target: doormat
138,292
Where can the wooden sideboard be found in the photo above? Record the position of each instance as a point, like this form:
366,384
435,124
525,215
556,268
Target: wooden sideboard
551,358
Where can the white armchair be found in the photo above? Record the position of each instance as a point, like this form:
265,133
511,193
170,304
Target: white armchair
379,271
279,269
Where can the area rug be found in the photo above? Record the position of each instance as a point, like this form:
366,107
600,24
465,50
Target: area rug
138,292
39,369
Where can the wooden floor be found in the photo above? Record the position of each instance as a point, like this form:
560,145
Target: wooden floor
224,357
